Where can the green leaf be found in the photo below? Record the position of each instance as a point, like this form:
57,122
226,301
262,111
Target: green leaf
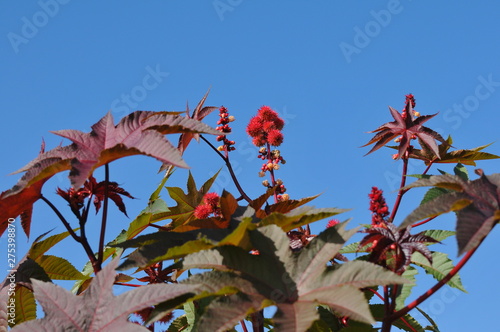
299,217
354,248
25,305
179,324
439,234
191,316
461,171
59,268
433,193
440,267
433,326
401,323
326,316
29,269
405,290
38,248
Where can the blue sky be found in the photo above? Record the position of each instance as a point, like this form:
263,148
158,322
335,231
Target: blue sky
329,68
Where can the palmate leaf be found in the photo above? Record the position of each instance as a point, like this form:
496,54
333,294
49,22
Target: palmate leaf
199,113
139,133
183,212
97,309
406,127
298,283
476,204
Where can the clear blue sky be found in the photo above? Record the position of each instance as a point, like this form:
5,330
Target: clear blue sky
330,67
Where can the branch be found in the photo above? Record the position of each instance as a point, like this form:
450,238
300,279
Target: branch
401,190
82,240
231,171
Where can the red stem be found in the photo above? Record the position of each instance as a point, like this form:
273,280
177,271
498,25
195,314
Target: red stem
401,190
428,167
125,284
243,326
423,222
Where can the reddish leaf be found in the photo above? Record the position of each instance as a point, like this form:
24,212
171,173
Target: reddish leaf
477,205
407,126
199,113
21,204
140,132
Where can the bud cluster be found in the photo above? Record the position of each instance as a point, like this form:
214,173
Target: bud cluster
378,207
273,159
409,99
223,127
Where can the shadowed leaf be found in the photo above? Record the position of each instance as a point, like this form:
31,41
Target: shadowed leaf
97,309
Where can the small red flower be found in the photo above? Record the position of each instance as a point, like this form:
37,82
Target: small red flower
202,211
211,199
332,223
210,206
266,127
275,137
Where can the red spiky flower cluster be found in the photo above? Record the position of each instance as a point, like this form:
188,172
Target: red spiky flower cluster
223,127
378,207
210,206
266,127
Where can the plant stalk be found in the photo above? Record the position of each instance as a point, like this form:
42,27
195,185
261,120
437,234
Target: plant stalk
230,169
100,254
80,239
